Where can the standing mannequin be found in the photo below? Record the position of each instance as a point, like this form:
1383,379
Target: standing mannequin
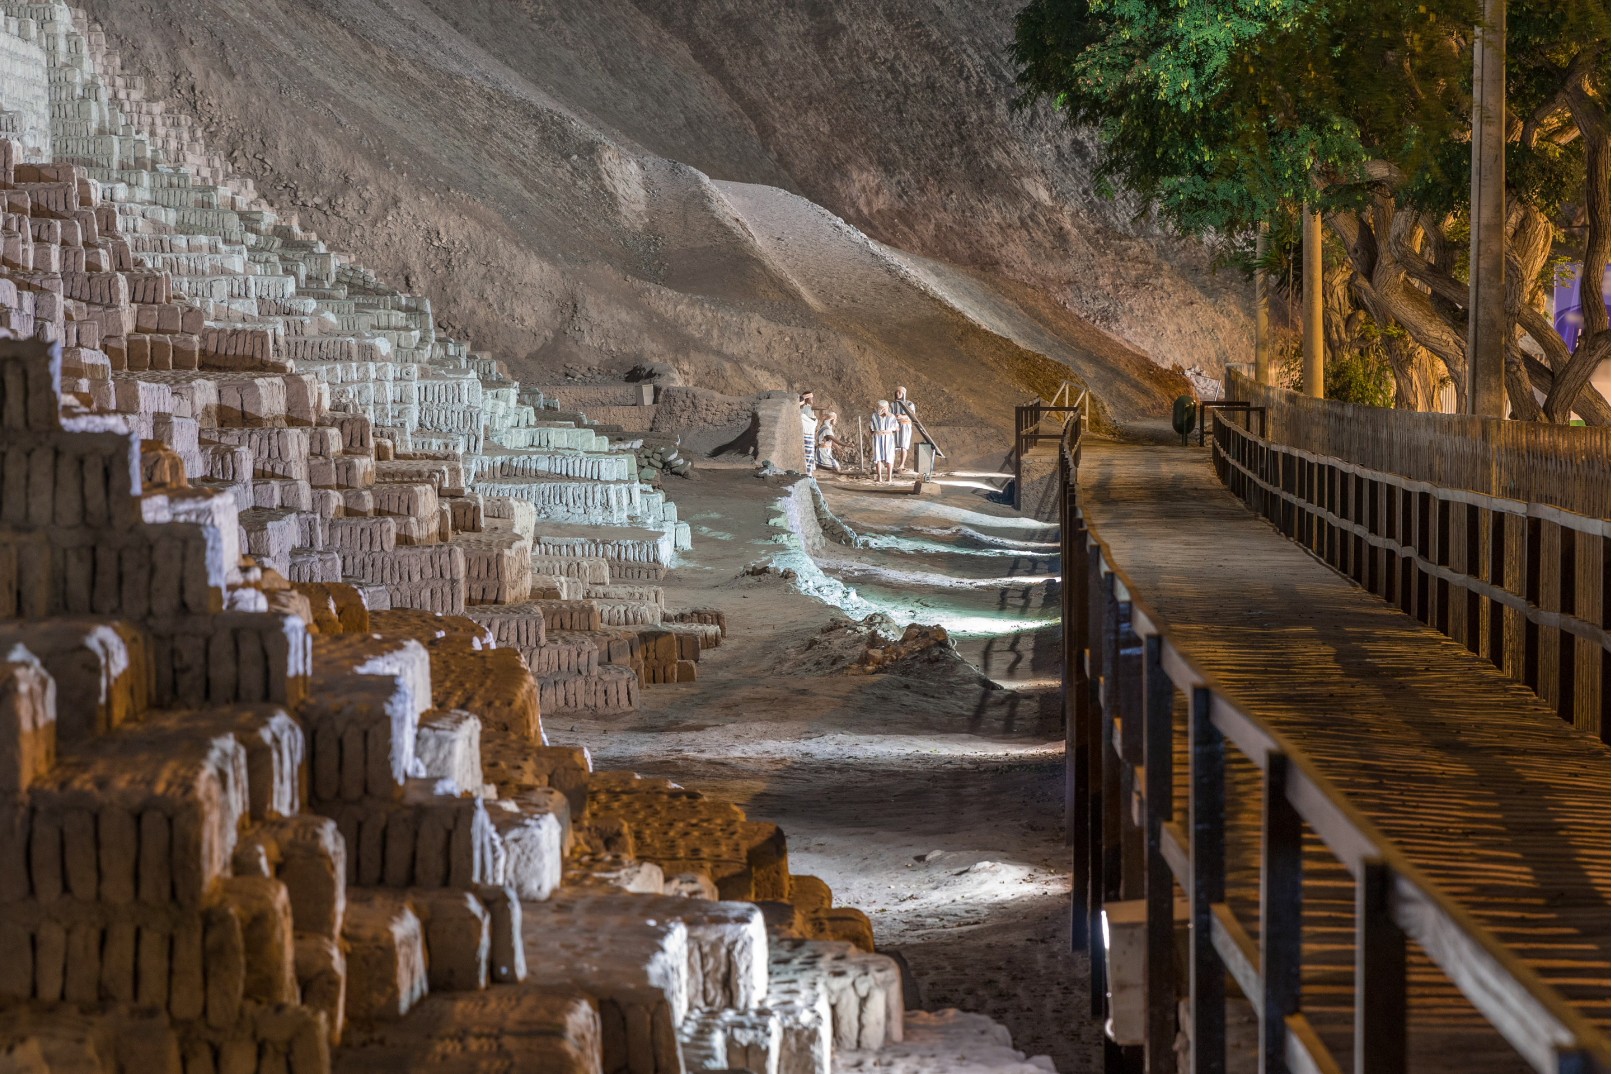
903,409
884,428
808,429
826,441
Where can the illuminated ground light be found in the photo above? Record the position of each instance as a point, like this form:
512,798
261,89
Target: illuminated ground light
932,509
963,623
931,579
972,534
889,542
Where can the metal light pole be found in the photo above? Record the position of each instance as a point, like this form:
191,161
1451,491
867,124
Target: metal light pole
1262,310
1486,305
1314,342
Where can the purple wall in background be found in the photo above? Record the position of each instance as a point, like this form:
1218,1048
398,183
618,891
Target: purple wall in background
1569,311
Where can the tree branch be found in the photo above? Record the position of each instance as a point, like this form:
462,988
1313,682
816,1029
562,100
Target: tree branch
1573,390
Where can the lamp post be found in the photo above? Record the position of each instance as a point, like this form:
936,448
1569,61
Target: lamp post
1486,305
1262,310
1314,342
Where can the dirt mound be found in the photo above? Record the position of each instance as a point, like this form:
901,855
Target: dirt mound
877,645
589,188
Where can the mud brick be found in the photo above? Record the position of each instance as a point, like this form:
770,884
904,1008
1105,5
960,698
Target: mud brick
361,736
532,831
307,855
458,939
386,957
507,953
448,746
27,720
495,684
263,908
321,969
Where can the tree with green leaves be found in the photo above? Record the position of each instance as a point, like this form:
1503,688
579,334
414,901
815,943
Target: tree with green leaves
1222,114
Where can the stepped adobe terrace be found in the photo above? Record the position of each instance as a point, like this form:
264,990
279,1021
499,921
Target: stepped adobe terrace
288,581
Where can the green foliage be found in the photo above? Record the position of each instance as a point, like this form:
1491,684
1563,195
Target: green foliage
1361,374
1362,377
1220,111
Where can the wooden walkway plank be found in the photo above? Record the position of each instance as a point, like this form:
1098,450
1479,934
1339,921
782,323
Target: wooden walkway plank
1472,775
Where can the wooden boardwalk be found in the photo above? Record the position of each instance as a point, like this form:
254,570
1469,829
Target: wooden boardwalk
1478,781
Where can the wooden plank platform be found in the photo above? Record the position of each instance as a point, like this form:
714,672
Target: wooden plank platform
1469,772
898,487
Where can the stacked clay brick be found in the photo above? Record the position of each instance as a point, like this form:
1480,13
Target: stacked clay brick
361,446
248,824
286,581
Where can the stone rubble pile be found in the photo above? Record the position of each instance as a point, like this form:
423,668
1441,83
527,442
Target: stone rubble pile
288,580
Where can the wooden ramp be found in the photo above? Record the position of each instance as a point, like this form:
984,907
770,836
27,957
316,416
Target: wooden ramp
1476,779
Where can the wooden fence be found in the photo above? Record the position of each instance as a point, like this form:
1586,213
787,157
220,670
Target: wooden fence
1522,584
1028,432
1564,466
1123,674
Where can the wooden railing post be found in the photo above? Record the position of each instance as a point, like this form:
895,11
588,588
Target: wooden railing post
1158,704
1104,773
1208,976
1281,927
1380,1037
1018,457
1116,627
1077,694
1132,846
1071,640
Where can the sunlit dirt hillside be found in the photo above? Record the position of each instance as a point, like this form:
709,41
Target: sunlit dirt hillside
760,193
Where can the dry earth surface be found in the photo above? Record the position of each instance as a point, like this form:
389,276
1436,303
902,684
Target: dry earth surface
927,796
584,188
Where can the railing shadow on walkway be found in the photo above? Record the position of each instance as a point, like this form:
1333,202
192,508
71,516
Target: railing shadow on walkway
1123,677
1522,584
1038,651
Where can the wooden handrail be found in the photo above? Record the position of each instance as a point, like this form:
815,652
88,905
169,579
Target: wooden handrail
1027,418
1121,665
1563,465
1428,536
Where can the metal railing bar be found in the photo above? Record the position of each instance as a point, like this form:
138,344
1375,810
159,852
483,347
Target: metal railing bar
1251,739
1177,665
1142,623
1334,823
1381,1031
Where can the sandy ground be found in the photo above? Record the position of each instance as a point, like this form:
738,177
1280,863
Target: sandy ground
929,798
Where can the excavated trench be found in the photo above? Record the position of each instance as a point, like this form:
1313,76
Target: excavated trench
928,794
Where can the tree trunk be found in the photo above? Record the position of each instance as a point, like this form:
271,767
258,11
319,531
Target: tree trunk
1387,294
1417,374
1519,387
1412,308
1527,250
1589,403
1573,390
